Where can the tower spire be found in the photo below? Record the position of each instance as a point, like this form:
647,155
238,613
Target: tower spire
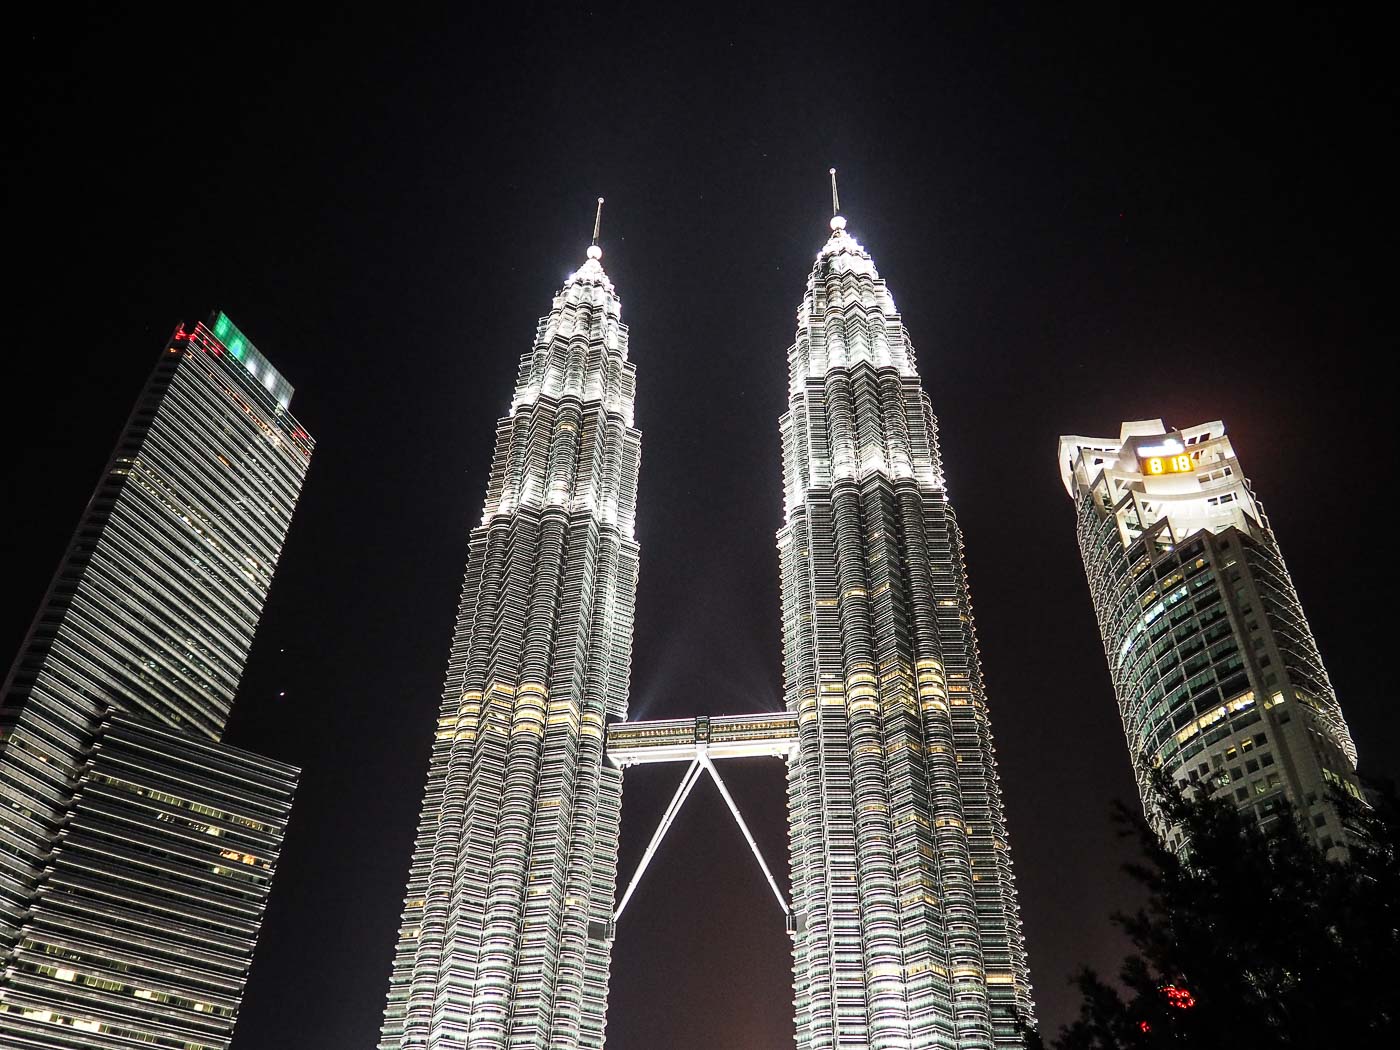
594,252
837,222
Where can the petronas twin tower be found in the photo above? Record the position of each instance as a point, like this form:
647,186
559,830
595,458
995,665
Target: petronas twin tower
504,941
899,852
905,927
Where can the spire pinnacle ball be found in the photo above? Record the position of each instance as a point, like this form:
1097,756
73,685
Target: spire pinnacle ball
838,223
594,252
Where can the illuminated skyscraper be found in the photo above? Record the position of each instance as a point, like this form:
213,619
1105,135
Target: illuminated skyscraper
1217,675
904,920
136,850
907,929
506,930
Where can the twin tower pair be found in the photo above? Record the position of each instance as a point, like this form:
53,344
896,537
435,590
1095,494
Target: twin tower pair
904,925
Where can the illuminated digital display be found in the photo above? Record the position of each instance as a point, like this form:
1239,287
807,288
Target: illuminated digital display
1182,464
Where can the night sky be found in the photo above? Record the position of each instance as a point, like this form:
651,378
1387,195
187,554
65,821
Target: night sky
1084,218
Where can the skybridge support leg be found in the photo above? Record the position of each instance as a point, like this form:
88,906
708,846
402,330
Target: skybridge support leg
704,760
692,774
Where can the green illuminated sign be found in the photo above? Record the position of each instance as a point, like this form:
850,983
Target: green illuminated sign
243,351
226,332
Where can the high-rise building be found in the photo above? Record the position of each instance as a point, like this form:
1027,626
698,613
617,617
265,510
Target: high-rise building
907,929
506,931
136,849
906,932
1218,678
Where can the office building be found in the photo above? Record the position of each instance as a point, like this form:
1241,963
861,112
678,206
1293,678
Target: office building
506,931
904,923
136,849
1218,678
907,928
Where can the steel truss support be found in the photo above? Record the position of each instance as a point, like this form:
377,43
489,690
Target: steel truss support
692,774
701,763
704,760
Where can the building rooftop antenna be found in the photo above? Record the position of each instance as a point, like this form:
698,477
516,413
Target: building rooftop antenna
594,252
837,222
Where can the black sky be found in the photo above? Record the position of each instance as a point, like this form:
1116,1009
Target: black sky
1084,216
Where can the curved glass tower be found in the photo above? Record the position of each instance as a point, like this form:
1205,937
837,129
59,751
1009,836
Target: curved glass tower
1218,678
505,939
907,932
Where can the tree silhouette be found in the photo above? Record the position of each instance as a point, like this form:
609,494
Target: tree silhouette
1251,937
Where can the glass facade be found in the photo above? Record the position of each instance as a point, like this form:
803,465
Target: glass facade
147,622
1218,678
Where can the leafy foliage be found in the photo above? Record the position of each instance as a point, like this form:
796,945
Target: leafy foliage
1252,938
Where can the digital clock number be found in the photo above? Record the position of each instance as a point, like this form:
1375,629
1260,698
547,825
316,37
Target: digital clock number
1182,464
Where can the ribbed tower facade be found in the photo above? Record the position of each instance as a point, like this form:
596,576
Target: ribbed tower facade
1218,678
907,929
505,939
137,850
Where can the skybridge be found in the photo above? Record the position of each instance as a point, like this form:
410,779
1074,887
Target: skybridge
700,742
771,735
